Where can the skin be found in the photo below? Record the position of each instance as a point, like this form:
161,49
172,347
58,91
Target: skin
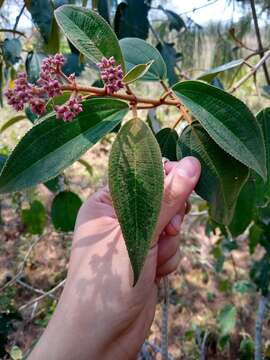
100,315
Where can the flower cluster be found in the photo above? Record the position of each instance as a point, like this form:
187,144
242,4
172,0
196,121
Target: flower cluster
111,75
69,110
23,93
49,85
48,77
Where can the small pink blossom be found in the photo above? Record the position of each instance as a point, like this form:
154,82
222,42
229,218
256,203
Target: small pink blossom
37,106
69,109
111,75
20,94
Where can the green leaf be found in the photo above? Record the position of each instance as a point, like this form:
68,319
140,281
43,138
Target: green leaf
227,120
260,274
175,21
131,19
72,65
167,139
65,207
244,209
11,122
137,51
87,166
210,74
243,287
171,57
103,9
263,189
57,100
34,218
52,45
222,176
89,33
52,144
3,159
42,16
227,319
137,72
246,349
16,353
136,186
11,49
255,236
54,185
33,66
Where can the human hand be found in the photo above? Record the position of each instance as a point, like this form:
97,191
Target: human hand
100,315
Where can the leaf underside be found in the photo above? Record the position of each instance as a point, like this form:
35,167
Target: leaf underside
222,176
136,186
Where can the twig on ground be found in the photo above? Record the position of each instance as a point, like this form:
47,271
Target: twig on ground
164,320
262,308
22,265
41,297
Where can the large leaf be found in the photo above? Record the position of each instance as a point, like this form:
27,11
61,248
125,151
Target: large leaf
42,16
137,51
244,209
222,176
89,33
33,65
137,72
227,120
52,145
227,319
136,186
167,139
175,21
72,65
34,218
12,121
131,19
65,207
104,9
263,189
11,49
170,56
210,74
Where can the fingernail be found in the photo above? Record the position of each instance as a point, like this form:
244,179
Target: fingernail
176,222
188,166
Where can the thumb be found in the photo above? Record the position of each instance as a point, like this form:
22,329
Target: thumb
178,185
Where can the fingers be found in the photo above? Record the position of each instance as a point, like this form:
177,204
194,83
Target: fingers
167,248
181,179
169,266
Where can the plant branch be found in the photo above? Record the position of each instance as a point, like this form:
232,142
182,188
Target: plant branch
18,18
13,31
262,308
259,39
128,97
164,324
251,73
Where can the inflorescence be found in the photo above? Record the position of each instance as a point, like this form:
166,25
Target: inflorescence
50,84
